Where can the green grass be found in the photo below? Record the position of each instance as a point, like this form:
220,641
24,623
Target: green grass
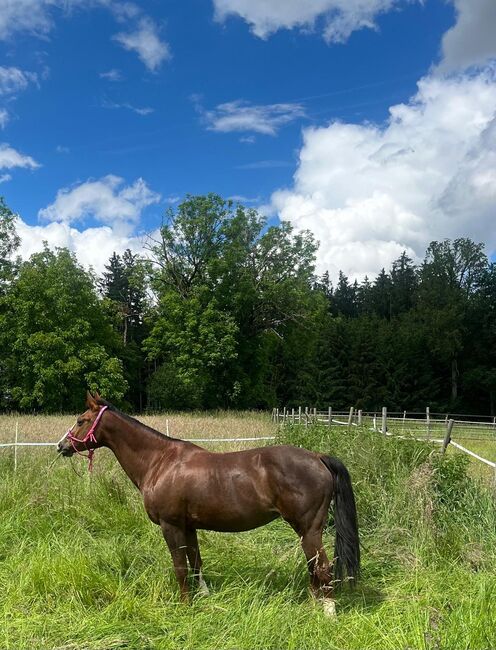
81,566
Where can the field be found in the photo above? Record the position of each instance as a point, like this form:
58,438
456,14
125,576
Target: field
83,568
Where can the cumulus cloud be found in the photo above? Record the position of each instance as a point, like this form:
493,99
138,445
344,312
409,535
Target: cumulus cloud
472,40
146,42
338,18
92,246
10,158
242,116
370,192
107,200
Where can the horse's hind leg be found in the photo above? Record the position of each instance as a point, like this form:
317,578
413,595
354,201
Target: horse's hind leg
318,564
176,541
195,561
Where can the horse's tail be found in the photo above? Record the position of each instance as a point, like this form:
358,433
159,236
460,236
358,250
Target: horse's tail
347,545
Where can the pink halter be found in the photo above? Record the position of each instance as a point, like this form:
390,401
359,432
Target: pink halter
89,437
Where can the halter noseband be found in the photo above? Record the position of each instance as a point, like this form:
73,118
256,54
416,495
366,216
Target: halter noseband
89,437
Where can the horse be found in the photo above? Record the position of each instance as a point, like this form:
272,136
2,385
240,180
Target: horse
186,488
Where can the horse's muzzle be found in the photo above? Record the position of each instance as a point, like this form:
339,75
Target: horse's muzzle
65,450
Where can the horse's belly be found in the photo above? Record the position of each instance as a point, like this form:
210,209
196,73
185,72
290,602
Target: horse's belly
234,523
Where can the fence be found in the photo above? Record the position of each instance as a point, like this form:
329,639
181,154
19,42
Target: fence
436,428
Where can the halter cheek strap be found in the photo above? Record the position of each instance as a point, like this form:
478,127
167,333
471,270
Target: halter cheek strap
89,437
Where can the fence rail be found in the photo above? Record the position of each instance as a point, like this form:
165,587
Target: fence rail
436,428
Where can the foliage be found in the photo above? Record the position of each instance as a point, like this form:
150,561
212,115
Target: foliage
227,312
57,339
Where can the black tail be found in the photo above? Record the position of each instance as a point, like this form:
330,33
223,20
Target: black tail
347,546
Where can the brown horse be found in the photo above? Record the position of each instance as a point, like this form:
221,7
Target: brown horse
185,488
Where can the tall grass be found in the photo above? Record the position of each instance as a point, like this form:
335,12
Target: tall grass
81,566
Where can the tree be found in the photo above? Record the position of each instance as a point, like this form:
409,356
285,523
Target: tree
216,258
60,342
9,242
452,272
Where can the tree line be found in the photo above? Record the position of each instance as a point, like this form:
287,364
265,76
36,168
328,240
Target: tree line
225,311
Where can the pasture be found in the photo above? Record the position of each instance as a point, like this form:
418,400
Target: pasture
82,567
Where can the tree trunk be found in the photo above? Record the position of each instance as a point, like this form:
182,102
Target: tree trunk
454,380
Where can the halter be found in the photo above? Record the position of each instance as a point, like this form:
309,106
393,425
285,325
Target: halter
89,437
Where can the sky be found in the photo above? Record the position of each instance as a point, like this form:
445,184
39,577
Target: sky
371,123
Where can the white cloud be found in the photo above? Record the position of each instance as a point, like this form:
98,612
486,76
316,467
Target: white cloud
472,40
4,117
25,15
106,200
339,18
92,246
145,40
245,117
139,110
4,178
112,75
10,158
369,192
14,80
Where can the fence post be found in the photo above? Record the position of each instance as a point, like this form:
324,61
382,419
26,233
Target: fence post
292,416
277,415
315,414
384,419
15,444
329,416
428,420
306,416
374,422
404,418
447,437
284,415
299,414
359,417
350,416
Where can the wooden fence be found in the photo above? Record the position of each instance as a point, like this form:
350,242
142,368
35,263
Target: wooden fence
437,428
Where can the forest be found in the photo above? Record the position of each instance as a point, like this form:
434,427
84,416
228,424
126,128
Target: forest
224,311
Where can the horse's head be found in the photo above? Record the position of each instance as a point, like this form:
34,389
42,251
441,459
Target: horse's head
84,435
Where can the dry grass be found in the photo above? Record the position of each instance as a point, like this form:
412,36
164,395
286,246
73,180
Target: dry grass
220,424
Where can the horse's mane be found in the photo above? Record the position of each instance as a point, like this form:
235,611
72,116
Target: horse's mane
128,418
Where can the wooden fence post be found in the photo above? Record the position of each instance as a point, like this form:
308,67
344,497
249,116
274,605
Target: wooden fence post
292,416
299,414
350,416
359,417
384,419
329,416
315,415
428,420
374,422
306,416
447,437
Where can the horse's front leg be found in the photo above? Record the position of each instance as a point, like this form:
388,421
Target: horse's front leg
176,541
195,560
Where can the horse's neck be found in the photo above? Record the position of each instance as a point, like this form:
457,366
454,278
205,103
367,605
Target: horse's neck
135,447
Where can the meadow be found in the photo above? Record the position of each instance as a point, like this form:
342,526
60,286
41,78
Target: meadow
82,567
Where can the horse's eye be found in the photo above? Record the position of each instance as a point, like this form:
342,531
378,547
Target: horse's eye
80,422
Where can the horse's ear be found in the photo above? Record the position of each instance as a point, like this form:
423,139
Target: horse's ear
91,402
97,396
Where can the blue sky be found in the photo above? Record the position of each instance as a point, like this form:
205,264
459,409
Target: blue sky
111,111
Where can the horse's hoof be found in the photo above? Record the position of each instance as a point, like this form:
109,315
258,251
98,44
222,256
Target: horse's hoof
329,606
